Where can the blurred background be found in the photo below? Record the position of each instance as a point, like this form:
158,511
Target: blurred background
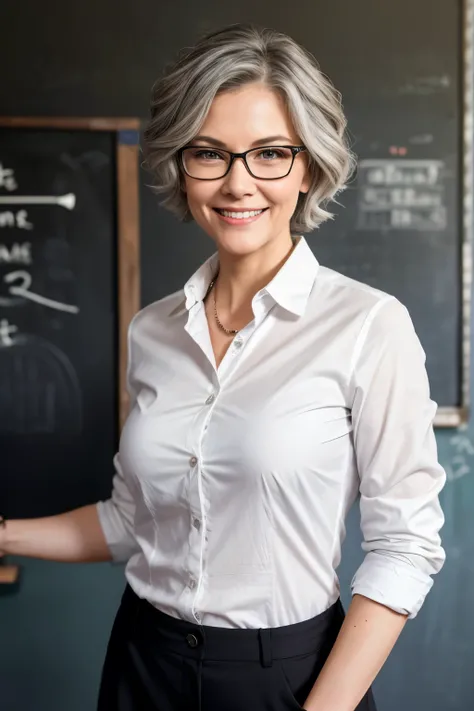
404,225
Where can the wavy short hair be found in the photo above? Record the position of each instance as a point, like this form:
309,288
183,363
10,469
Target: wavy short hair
230,58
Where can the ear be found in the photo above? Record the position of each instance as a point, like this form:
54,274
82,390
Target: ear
305,185
306,181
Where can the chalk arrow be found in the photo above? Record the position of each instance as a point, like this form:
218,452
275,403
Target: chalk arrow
68,201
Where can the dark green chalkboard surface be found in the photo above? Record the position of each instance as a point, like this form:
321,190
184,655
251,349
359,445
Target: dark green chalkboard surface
61,313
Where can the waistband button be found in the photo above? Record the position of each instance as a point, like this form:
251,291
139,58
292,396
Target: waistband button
192,640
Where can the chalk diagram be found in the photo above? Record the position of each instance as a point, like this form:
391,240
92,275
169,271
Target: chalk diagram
39,387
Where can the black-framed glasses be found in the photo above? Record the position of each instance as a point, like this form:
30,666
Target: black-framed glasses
264,163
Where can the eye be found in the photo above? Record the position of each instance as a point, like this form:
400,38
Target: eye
271,154
207,155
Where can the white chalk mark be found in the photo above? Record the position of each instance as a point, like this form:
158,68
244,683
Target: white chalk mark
7,178
50,303
458,469
24,292
39,389
22,220
462,445
462,462
68,201
401,195
17,253
5,331
15,219
421,139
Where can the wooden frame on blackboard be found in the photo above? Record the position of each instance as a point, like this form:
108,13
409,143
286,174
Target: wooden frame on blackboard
128,219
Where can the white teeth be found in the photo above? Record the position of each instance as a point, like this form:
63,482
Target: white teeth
240,215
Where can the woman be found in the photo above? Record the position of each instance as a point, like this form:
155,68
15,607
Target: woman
265,396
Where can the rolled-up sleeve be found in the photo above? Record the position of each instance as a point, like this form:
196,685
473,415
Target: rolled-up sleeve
400,477
117,514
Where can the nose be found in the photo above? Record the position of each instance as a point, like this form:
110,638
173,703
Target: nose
238,180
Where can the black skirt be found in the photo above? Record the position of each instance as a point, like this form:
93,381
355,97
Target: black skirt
157,663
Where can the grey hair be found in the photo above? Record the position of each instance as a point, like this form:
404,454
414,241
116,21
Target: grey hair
230,58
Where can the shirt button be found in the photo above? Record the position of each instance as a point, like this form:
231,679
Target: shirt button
196,523
193,461
210,399
238,343
192,583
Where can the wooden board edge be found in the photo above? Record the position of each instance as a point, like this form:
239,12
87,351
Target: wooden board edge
98,123
9,574
451,417
128,252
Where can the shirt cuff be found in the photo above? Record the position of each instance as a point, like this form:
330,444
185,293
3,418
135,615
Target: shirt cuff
121,545
393,583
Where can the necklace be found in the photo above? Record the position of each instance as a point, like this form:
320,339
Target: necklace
228,331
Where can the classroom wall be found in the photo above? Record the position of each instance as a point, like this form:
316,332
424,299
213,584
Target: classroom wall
100,58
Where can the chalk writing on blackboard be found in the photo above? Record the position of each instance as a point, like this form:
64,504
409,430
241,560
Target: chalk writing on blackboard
39,388
7,178
22,288
399,194
68,201
18,219
19,282
6,331
463,460
17,253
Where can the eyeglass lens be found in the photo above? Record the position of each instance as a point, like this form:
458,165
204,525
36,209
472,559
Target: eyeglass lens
212,163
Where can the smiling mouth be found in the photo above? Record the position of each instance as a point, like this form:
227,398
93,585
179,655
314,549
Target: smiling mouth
239,214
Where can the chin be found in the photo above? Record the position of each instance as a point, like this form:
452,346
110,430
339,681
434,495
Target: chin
240,244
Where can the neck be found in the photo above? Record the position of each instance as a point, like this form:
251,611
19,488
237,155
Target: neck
242,277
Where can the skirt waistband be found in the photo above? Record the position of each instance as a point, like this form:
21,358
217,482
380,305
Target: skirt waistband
223,644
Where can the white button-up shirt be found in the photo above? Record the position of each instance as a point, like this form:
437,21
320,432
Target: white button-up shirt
233,483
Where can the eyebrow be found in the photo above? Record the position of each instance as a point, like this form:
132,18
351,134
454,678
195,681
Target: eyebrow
260,142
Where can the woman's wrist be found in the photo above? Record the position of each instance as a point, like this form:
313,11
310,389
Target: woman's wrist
3,533
6,537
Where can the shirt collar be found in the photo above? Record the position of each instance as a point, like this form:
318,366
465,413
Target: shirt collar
292,284
290,287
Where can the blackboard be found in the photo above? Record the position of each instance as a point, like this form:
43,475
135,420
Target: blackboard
63,310
406,218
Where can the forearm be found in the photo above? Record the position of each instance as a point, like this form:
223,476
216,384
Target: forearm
367,637
72,537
